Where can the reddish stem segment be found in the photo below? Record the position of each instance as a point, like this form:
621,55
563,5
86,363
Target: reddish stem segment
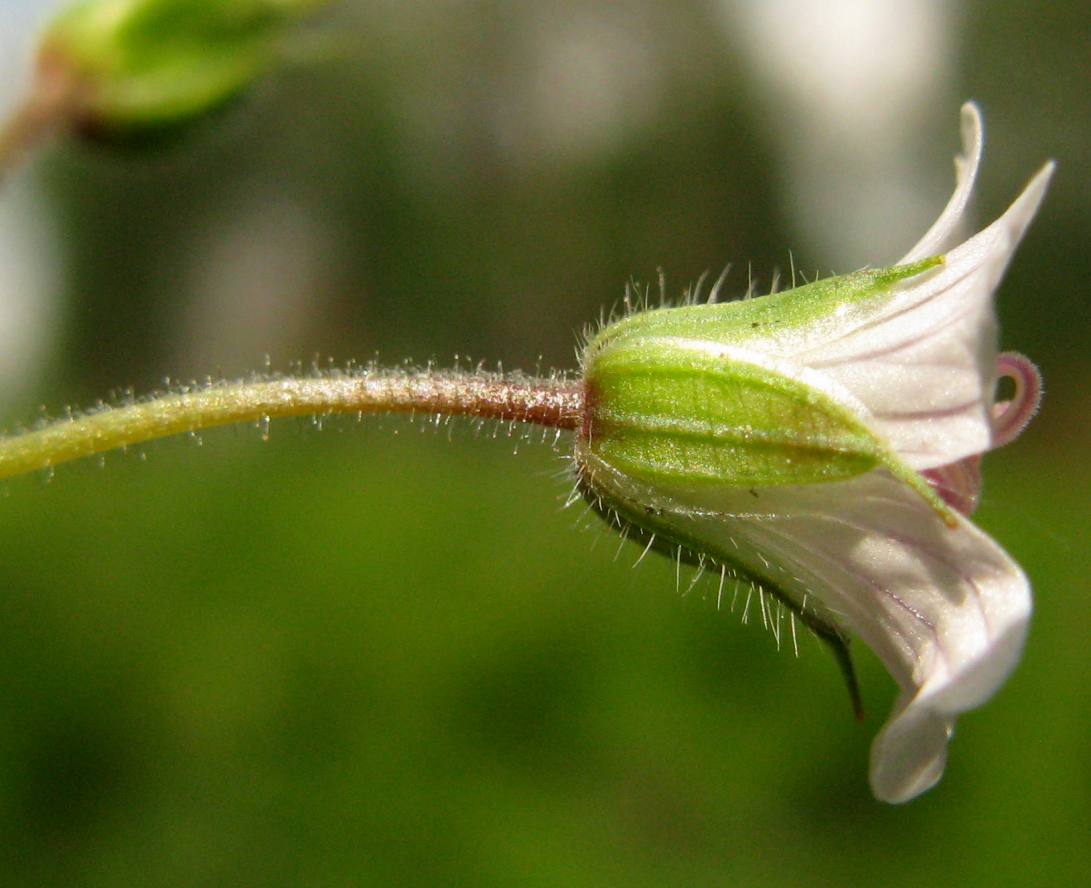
54,104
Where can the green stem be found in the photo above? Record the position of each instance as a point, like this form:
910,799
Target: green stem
553,403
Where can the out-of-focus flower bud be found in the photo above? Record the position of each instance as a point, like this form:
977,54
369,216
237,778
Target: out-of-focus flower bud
133,66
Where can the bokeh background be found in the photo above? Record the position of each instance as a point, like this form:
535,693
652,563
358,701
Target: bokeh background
377,653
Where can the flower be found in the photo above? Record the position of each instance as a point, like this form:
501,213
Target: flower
822,444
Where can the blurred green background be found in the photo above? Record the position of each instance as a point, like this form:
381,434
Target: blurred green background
376,653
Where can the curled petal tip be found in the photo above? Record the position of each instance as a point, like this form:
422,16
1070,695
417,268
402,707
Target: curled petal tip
973,136
909,756
944,232
1011,417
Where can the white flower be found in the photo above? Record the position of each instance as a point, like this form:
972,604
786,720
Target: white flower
893,388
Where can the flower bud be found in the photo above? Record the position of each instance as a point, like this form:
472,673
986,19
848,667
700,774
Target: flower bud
134,66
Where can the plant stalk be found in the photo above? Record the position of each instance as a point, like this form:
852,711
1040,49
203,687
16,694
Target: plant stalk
551,403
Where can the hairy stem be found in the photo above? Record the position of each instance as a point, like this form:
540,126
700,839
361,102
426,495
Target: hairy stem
554,403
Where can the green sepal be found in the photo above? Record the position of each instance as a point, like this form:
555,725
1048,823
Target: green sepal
666,412
742,321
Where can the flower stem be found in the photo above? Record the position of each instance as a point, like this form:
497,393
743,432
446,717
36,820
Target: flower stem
553,403
52,105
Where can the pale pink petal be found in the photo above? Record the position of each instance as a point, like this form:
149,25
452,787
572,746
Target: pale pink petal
959,483
924,361
945,609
